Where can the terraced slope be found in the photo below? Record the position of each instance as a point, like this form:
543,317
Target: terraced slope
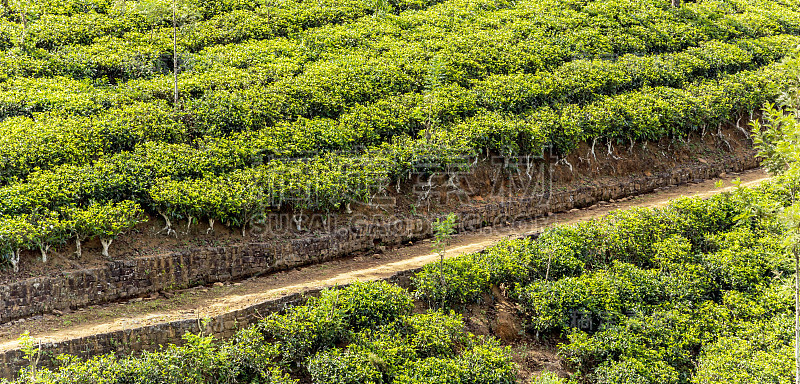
313,105
136,319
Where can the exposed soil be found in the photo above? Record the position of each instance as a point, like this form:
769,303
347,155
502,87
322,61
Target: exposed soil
491,179
201,302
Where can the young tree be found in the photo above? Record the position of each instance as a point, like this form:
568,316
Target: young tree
15,235
239,198
32,351
176,13
80,227
23,9
777,139
443,231
83,223
47,230
105,221
382,7
175,53
174,199
435,77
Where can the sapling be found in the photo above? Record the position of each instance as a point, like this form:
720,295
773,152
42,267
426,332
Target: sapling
24,18
32,351
175,54
443,231
778,142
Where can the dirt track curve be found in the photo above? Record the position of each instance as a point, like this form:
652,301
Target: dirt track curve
204,302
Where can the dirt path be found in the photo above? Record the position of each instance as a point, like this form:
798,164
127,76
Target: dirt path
204,302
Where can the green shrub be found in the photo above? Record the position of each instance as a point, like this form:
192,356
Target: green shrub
634,371
434,333
244,359
323,322
429,347
484,362
306,329
593,300
433,370
741,261
548,377
660,343
353,366
373,303
377,354
760,352
469,276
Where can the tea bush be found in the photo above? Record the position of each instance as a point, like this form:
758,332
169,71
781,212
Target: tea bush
89,115
363,333
691,292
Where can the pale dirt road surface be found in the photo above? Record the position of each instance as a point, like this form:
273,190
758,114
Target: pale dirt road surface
204,302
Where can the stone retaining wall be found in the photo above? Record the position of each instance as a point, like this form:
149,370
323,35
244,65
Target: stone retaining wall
148,338
131,278
143,276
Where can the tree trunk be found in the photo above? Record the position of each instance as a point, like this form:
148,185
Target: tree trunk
298,221
441,275
676,3
15,259
168,225
797,315
44,248
175,53
106,243
24,28
78,250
